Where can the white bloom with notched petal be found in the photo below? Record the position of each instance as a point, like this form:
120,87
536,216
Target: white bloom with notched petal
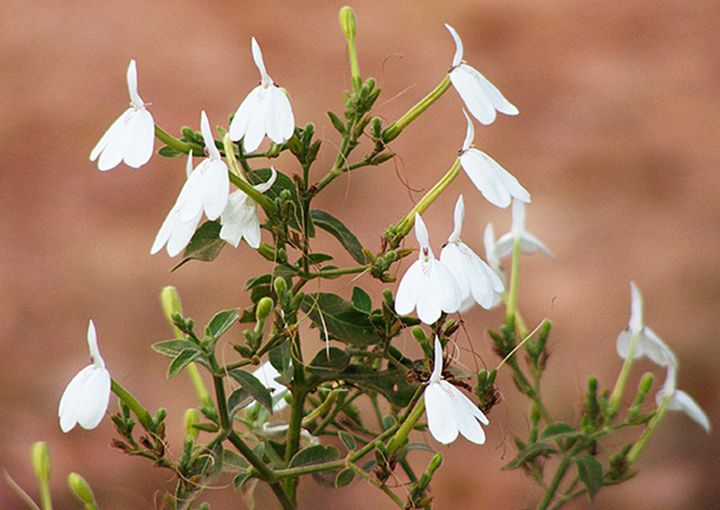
86,398
480,96
206,189
267,375
427,285
448,410
265,111
240,218
131,137
528,242
478,283
495,183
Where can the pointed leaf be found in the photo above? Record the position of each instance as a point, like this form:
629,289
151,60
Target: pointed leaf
205,244
339,319
221,322
361,300
169,152
315,454
183,359
347,439
528,454
172,348
332,225
559,430
239,399
590,472
344,478
337,360
253,386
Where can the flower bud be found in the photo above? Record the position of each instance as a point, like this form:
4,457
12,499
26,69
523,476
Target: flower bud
348,24
192,418
41,460
264,309
171,305
81,489
419,334
280,286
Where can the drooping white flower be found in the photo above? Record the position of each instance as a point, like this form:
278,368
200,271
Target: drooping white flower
480,96
477,282
131,137
87,396
267,374
495,183
206,189
681,401
240,218
448,410
427,285
528,242
265,111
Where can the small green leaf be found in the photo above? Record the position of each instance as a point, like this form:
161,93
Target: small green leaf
221,322
347,439
169,152
332,225
280,357
361,300
233,462
253,386
337,360
318,258
239,399
172,348
183,359
315,454
590,472
205,244
265,279
337,123
340,319
344,478
528,454
559,430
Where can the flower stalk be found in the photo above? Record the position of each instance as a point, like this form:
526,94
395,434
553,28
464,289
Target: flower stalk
397,127
135,406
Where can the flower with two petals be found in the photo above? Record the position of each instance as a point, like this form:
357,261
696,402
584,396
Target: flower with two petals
240,218
87,396
206,190
265,111
131,137
528,242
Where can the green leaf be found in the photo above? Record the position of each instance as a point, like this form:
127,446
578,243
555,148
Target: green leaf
183,359
233,462
337,123
590,472
221,322
265,279
361,300
205,244
172,348
559,430
337,360
339,319
528,454
318,258
332,225
282,182
253,386
347,439
169,152
315,454
239,399
344,478
280,357
391,383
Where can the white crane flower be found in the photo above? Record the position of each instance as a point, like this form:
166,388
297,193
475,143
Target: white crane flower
528,242
87,396
206,189
495,183
478,283
427,285
448,410
265,111
481,97
240,218
131,137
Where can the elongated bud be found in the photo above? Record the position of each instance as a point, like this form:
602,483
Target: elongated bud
642,392
419,334
348,24
433,466
192,418
264,309
280,286
81,489
41,460
172,306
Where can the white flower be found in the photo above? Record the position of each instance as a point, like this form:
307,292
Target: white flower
490,254
478,283
266,110
206,189
448,410
681,401
480,96
427,284
528,242
131,137
86,398
240,217
495,183
267,374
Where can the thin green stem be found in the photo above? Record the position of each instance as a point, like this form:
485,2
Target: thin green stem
136,407
362,474
555,483
45,498
394,129
638,447
617,393
514,277
176,144
338,272
408,424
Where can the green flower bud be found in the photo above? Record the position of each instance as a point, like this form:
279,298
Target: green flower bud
419,334
171,305
348,25
41,460
264,309
280,286
192,418
81,489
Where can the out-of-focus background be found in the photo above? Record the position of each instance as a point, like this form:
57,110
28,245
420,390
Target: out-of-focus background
618,141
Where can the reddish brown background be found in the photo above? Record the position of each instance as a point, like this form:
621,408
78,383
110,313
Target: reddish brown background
618,140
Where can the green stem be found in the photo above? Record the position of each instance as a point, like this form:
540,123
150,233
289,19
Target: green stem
176,144
362,474
237,179
638,447
45,498
394,129
511,305
136,407
337,272
403,227
553,487
407,426
617,393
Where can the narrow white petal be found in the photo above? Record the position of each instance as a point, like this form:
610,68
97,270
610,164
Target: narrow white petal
421,233
656,349
241,119
267,374
472,94
636,308
181,234
213,151
440,415
467,424
93,346
71,399
489,242
451,297
510,183
530,244
252,231
458,218
96,397
279,120
469,133
259,62
457,58
483,174
190,199
504,245
189,165
470,406
216,189
407,293
484,283
622,345
263,187
256,128
681,401
132,85
234,217
431,292
141,140
165,230
499,102
437,361
451,258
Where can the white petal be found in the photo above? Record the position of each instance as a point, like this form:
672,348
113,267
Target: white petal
437,361
234,217
181,234
483,174
190,199
453,259
440,415
111,146
504,245
430,296
681,401
141,139
469,133
421,233
472,94
96,397
485,284
499,102
489,242
213,151
458,218
636,308
71,399
93,346
216,189
256,128
530,244
241,119
512,184
622,345
279,120
252,231
467,424
264,186
165,230
267,375
457,58
451,297
258,59
518,218
656,349
132,85
189,165
470,406
407,293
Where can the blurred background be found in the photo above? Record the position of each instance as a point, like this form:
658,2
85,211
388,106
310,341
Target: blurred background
618,141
